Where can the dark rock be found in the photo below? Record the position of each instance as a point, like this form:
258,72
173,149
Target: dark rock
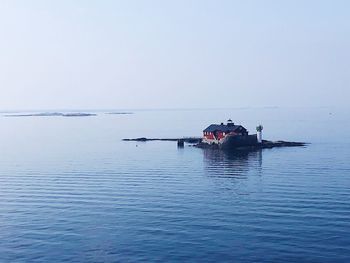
199,144
191,140
264,145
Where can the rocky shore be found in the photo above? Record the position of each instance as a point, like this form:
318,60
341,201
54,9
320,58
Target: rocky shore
197,142
191,140
264,145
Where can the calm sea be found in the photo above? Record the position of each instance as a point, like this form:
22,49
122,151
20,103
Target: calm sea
72,191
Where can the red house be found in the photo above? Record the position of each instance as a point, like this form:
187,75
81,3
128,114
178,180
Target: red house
216,133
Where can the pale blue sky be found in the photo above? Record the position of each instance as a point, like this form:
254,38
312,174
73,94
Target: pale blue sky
169,54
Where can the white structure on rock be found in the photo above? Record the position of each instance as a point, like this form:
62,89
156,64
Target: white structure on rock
259,133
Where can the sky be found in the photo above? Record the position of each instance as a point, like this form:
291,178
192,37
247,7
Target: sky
149,54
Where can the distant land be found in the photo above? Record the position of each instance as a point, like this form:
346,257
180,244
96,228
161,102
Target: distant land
52,114
119,113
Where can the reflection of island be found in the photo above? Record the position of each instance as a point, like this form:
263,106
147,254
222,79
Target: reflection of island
220,163
52,114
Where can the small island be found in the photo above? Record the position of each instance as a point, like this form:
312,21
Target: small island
227,137
119,113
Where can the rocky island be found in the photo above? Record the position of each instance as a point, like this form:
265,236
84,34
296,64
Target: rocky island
227,137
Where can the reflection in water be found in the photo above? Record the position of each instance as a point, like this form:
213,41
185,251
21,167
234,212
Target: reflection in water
231,171
220,163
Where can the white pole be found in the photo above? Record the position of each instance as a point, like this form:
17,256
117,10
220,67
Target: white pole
259,133
259,136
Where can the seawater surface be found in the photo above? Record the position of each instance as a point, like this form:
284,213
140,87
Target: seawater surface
72,191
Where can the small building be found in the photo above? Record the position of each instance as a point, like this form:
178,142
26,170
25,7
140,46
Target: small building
216,133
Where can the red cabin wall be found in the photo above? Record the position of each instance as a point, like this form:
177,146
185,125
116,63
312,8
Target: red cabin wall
219,135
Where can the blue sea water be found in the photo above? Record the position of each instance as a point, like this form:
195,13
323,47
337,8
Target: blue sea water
72,191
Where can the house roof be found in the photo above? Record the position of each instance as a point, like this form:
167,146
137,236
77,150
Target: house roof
223,128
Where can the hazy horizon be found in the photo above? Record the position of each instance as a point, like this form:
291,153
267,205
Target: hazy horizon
174,54
43,110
